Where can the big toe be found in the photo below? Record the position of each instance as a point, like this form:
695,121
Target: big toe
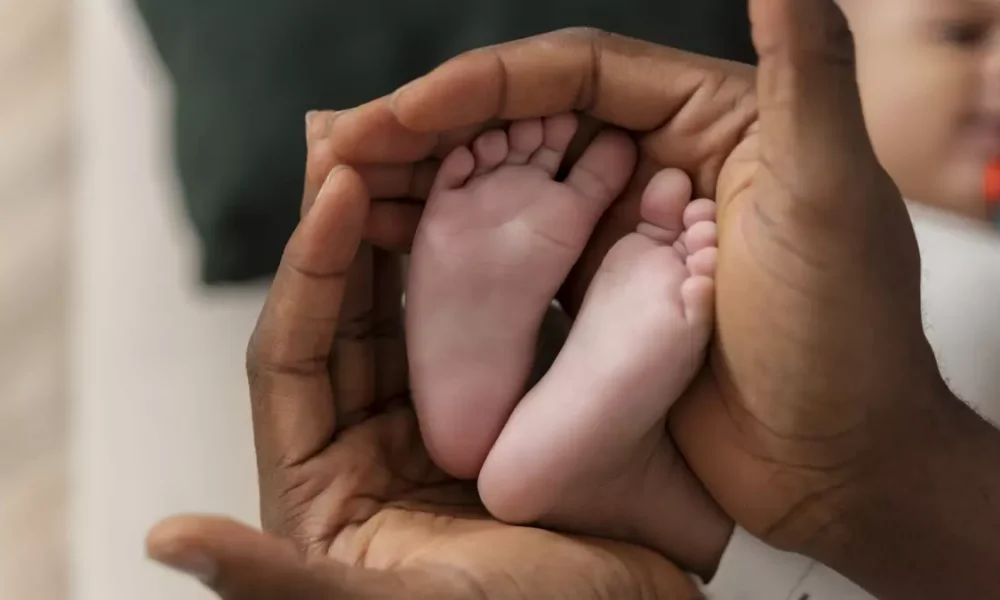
663,205
605,168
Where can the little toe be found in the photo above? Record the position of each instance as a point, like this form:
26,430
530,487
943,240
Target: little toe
558,132
700,236
698,294
664,202
604,170
490,150
455,170
703,262
700,210
524,138
679,244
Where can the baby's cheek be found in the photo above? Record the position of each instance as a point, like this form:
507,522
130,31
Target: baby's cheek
963,191
911,153
914,100
923,153
947,181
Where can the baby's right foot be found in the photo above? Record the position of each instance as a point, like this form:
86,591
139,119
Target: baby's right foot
498,237
587,448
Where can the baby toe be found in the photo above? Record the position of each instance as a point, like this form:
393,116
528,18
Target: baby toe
664,201
698,294
558,132
701,236
490,150
699,211
524,138
604,170
454,171
703,262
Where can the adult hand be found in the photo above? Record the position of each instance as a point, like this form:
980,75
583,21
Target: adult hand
814,423
828,428
688,112
355,506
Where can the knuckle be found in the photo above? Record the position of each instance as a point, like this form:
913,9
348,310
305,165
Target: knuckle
586,34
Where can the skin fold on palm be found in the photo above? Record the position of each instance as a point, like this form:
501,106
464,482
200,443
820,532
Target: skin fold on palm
344,475
373,498
792,429
789,421
813,225
688,113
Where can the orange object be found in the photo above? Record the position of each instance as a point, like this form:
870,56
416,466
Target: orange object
991,183
991,187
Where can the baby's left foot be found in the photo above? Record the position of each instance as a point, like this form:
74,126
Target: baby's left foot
498,237
587,448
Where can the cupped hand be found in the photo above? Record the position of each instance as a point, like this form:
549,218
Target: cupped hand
824,382
352,505
686,112
821,378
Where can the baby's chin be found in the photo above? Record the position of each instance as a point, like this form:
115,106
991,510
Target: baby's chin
959,192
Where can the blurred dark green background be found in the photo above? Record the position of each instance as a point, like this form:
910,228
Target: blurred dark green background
246,71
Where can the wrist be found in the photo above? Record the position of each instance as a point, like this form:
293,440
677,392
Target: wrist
920,517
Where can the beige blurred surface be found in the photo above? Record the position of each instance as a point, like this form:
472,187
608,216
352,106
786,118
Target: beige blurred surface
35,106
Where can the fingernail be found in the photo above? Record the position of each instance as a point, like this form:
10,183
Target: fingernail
329,177
318,198
317,126
400,92
194,564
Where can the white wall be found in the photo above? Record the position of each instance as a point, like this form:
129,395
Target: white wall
962,305
161,418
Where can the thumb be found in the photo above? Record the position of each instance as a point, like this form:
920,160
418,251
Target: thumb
821,187
239,563
391,223
813,136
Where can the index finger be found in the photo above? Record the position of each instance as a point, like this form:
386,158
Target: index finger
294,414
629,83
632,84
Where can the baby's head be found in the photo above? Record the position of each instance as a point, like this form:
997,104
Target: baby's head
929,72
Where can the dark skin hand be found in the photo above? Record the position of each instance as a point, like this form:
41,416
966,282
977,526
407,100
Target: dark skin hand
812,432
822,423
354,506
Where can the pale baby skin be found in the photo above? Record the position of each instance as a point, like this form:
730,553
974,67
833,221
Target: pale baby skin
586,448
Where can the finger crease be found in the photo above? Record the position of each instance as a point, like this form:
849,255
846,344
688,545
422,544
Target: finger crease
589,94
339,273
504,77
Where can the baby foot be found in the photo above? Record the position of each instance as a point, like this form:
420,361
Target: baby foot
498,237
587,448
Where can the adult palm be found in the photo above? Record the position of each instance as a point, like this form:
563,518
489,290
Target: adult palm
793,427
355,507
